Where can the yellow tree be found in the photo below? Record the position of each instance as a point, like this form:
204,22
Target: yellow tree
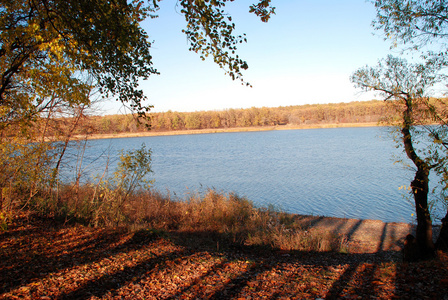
55,53
47,42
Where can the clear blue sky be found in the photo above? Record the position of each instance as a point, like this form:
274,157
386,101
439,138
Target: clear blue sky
305,54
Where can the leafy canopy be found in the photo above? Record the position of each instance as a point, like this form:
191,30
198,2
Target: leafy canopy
408,87
63,48
210,32
48,46
397,79
414,22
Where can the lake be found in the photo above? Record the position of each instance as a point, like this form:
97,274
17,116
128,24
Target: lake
341,172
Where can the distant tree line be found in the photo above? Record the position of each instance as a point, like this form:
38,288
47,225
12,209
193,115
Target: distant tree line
353,112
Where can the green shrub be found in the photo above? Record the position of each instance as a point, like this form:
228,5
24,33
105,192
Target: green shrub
113,194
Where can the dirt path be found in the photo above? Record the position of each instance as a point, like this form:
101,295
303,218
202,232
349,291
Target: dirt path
363,236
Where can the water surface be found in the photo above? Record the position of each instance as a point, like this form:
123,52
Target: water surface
342,172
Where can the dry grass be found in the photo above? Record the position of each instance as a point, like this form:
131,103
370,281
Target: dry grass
228,216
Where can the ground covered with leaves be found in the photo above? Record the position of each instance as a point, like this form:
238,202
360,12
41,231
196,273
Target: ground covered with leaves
45,259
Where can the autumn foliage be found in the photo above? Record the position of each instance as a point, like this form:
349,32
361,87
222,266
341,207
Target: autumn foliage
341,113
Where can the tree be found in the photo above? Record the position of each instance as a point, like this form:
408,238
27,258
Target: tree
47,46
55,54
407,86
416,23
210,32
421,26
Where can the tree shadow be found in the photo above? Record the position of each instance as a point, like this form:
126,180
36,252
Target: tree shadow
203,265
423,280
263,261
353,229
109,283
360,273
382,238
49,247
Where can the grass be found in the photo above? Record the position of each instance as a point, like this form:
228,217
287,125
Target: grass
235,220
209,246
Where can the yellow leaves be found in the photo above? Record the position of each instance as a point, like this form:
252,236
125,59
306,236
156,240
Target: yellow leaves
39,38
45,39
404,187
3,111
55,46
34,27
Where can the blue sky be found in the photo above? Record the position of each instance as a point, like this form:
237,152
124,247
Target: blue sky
304,55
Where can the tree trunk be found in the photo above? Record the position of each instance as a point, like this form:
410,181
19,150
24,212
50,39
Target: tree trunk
442,240
424,224
420,188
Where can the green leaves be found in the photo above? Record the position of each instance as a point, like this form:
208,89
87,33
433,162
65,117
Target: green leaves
133,167
211,33
263,10
416,23
395,78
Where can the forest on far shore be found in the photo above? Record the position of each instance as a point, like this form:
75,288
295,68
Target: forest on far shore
310,114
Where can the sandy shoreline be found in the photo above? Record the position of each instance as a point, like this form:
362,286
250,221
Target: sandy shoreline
221,130
362,236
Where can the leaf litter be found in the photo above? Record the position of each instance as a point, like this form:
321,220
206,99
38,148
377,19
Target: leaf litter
45,259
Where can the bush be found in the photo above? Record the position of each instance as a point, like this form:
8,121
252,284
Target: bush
113,194
25,173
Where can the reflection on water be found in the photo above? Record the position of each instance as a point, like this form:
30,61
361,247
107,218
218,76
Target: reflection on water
343,172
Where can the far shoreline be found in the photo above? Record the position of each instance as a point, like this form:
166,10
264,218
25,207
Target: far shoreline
223,130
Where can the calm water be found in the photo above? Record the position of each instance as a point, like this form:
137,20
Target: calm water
343,172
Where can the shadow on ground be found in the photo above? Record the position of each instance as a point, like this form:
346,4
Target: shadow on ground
42,259
365,236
